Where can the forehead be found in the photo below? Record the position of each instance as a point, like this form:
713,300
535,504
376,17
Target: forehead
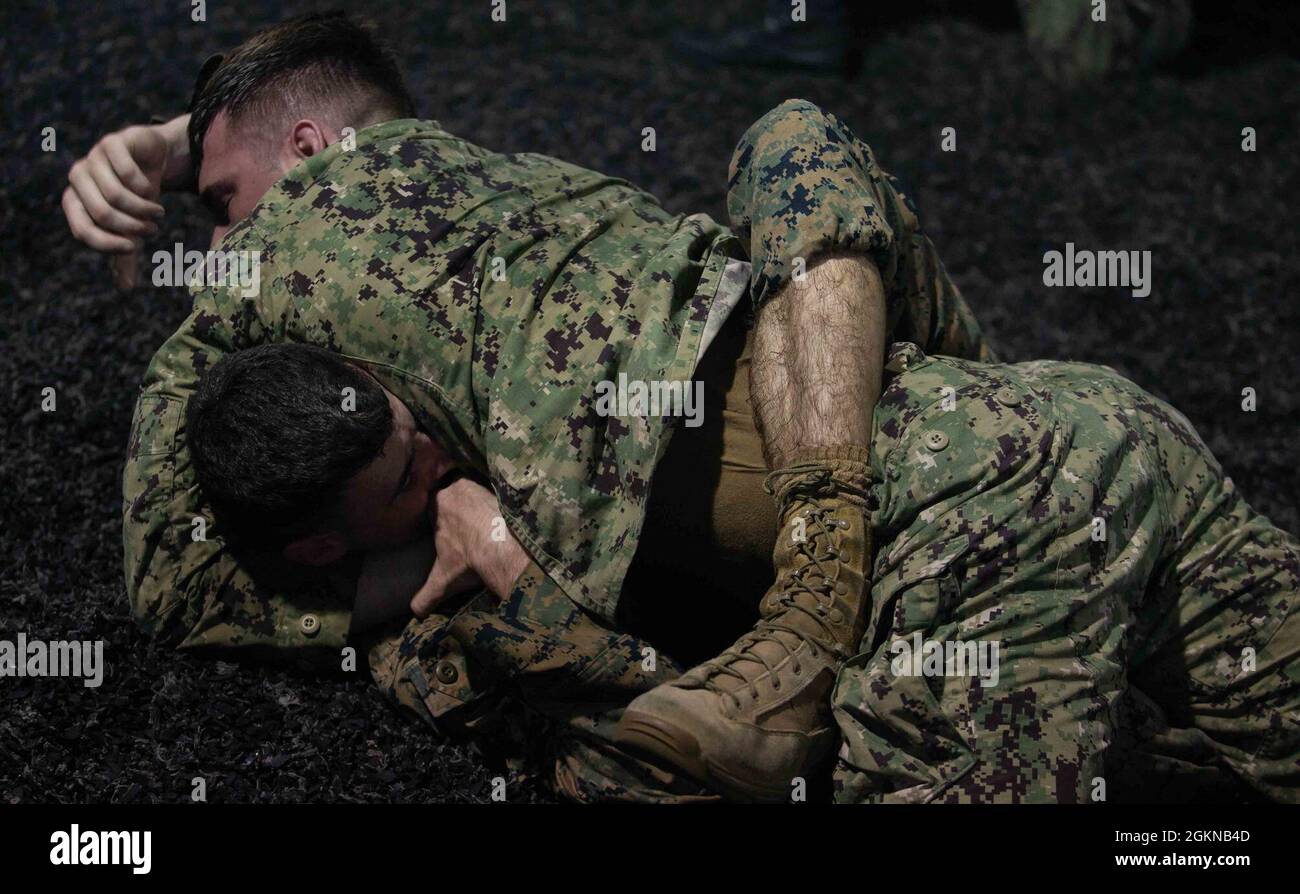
222,155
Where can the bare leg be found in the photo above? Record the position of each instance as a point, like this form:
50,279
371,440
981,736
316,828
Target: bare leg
819,350
802,191
758,716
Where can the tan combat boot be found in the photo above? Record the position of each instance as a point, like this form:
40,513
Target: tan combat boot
754,718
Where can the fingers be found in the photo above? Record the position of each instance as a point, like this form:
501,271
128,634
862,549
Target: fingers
90,180
109,203
85,229
432,594
135,189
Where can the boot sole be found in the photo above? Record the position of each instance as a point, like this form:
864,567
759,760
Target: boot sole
675,746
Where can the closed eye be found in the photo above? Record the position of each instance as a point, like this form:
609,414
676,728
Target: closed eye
216,199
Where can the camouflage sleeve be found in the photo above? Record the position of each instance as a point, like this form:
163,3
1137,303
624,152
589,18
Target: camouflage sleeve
426,673
801,184
557,655
183,583
535,666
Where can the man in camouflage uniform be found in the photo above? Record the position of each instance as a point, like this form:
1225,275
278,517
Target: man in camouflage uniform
1145,615
386,252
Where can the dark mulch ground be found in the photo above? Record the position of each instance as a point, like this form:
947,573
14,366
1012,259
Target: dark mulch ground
1135,165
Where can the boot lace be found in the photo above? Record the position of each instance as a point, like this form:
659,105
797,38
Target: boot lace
811,578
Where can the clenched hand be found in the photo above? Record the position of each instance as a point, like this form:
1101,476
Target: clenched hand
112,199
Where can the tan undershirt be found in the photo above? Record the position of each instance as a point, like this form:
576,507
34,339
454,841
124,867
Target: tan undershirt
705,555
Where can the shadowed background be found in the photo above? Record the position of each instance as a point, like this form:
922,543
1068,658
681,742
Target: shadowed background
1133,164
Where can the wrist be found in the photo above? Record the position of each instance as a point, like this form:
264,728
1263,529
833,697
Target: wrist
177,172
464,513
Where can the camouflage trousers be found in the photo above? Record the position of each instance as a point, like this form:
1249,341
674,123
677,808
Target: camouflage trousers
1070,602
802,184
1128,625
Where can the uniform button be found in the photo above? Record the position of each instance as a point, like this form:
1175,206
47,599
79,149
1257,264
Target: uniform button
1007,397
936,440
309,625
446,672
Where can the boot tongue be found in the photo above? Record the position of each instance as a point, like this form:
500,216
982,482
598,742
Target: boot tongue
798,491
804,627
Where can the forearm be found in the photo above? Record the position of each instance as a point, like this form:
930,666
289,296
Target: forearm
177,176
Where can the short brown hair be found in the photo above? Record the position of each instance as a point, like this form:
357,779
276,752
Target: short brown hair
316,58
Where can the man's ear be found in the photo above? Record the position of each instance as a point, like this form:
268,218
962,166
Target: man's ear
306,138
317,549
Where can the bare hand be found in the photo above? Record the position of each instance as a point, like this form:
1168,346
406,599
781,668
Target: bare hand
111,202
472,547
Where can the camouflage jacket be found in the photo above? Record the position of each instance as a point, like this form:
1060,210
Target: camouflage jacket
487,291
491,292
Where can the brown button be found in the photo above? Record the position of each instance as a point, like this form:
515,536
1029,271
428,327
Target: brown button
936,440
309,625
446,672
1007,397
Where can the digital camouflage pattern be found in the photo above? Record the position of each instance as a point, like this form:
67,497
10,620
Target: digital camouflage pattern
984,508
991,479
490,293
537,683
1164,657
1072,47
388,253
801,184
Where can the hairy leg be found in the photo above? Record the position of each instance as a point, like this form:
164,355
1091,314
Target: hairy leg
818,359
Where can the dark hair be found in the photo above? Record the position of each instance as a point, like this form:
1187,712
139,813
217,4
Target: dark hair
321,57
273,443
